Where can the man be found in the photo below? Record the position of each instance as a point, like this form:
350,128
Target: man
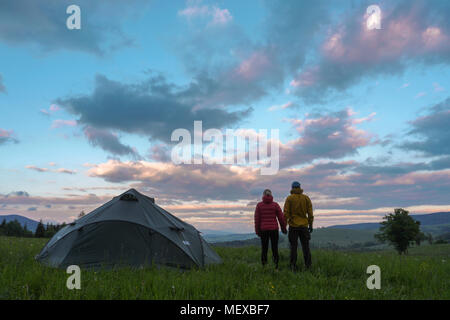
299,215
267,213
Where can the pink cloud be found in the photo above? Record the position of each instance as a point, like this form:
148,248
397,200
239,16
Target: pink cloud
54,108
221,16
420,94
438,87
59,123
351,51
6,133
31,167
217,15
281,107
254,66
332,135
67,171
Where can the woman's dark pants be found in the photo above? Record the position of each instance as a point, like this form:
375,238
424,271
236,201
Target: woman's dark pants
273,236
305,236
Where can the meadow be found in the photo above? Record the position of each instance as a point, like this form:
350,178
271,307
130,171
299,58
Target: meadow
423,274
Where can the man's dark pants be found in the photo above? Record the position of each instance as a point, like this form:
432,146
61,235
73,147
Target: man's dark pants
305,236
273,236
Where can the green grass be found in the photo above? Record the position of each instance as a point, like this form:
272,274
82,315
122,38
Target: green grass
423,274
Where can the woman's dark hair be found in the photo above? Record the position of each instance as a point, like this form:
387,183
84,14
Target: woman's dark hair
266,191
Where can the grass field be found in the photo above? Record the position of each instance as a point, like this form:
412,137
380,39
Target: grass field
423,274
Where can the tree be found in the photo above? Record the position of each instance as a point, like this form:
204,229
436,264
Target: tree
40,230
399,230
430,238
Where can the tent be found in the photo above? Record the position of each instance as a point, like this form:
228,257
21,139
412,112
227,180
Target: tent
129,230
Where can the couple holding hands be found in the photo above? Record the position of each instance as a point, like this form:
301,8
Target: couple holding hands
297,213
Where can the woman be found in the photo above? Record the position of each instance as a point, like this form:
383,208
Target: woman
266,227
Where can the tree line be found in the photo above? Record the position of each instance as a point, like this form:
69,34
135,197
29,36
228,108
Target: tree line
15,229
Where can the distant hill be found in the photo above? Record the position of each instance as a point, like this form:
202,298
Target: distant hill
432,219
321,238
213,238
31,224
353,236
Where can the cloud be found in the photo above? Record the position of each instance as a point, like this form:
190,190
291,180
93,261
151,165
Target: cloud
331,136
434,131
345,185
7,136
32,209
216,15
67,171
281,107
27,199
108,142
44,24
412,33
160,153
52,109
153,108
60,170
2,86
210,181
17,194
231,68
59,123
31,167
438,87
320,53
420,94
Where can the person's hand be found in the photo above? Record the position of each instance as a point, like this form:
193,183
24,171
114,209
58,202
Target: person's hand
258,234
310,229
284,231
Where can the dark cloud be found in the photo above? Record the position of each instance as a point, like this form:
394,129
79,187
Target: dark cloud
160,152
331,135
32,209
43,23
7,136
152,108
109,142
433,130
292,29
2,86
17,194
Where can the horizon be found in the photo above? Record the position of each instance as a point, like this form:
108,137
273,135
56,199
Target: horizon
362,112
205,231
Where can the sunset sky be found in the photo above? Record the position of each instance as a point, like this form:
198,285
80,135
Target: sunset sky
363,115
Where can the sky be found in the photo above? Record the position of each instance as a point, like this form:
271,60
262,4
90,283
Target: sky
362,111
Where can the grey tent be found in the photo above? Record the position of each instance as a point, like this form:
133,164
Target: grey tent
129,230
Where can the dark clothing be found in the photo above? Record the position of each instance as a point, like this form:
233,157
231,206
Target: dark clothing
305,236
273,236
